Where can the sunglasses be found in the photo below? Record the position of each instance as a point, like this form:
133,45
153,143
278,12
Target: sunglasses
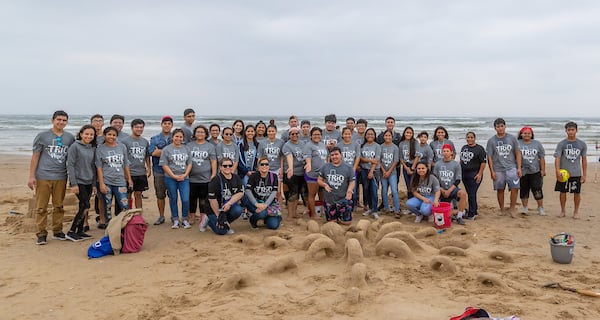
294,134
227,134
227,165
264,164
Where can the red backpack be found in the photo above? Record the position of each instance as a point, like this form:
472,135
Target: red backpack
133,234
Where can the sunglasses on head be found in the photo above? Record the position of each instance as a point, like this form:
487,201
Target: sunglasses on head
227,165
264,164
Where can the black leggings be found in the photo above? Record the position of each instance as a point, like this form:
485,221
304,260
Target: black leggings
85,192
198,196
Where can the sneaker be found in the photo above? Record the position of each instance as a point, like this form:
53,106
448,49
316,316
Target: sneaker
524,210
186,224
230,231
406,212
41,240
175,224
59,236
73,236
86,228
367,213
419,218
541,211
375,215
471,217
430,218
84,236
203,223
159,221
460,221
244,216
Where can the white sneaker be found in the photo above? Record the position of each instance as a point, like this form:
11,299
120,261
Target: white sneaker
175,224
541,211
367,213
230,231
203,223
419,218
375,216
524,210
406,212
186,224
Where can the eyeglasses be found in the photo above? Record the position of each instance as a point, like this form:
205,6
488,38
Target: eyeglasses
294,134
264,164
227,165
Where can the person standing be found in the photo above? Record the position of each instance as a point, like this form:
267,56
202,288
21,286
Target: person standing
504,160
533,169
408,156
204,167
370,153
228,148
97,121
440,138
390,124
214,130
472,163
337,179
315,156
139,159
82,177
331,136
117,121
189,116
292,123
389,176
294,171
424,150
157,143
48,175
570,155
176,163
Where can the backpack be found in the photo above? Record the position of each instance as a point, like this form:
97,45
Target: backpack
133,234
100,248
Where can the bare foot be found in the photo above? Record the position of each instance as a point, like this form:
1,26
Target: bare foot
513,213
562,215
576,216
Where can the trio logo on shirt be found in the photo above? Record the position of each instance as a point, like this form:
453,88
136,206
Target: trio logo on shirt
571,153
387,159
114,160
228,154
334,179
349,155
179,159
406,154
425,190
198,156
504,150
529,154
322,154
137,152
298,154
57,151
368,153
466,156
446,176
272,151
263,191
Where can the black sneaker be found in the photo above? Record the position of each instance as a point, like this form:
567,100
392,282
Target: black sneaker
159,221
86,228
59,236
72,236
41,240
84,235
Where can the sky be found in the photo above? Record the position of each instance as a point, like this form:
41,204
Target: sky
311,57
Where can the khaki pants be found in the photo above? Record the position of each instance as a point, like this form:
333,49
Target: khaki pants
43,191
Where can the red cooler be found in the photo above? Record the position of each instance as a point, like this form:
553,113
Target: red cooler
442,215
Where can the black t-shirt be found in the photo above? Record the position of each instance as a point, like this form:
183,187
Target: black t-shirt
471,158
262,187
223,189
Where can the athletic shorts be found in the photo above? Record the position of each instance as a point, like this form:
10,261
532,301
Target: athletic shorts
532,182
508,177
339,211
160,187
309,179
573,185
140,183
453,195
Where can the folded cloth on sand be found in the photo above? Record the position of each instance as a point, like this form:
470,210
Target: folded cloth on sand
113,231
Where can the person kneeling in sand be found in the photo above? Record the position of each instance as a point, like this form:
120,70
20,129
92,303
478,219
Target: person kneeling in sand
224,193
261,193
337,178
426,192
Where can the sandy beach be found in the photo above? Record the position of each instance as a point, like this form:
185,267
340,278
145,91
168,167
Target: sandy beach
495,262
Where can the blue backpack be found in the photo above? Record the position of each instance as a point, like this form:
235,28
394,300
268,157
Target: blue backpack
100,248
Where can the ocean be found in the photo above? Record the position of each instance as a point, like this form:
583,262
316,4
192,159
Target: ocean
17,131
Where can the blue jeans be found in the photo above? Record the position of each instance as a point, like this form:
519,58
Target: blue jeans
271,222
417,206
120,192
407,178
471,186
392,183
234,212
370,187
183,187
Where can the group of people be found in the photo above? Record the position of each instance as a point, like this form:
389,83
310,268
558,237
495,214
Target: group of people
246,170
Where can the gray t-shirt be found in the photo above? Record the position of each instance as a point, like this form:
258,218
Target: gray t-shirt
503,152
570,153
137,152
53,154
436,146
176,158
428,188
334,136
404,150
338,178
531,154
113,161
295,149
372,151
188,133
448,172
273,151
389,155
231,151
317,152
201,156
350,152
425,153
80,163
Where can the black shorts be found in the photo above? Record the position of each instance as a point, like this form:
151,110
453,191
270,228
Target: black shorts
140,183
532,182
295,186
573,185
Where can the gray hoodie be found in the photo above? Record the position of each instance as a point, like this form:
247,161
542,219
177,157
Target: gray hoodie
80,163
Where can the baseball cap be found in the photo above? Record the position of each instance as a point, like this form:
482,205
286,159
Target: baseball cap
166,118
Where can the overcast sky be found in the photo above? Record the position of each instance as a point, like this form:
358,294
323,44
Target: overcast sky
446,58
